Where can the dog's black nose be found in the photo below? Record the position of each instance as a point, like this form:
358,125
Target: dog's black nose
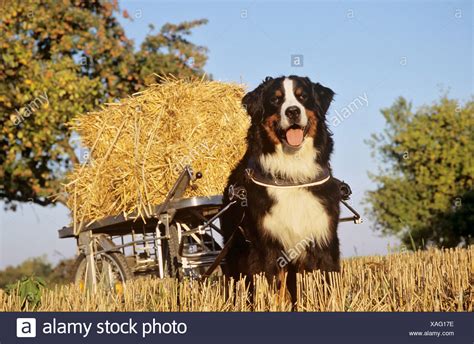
293,113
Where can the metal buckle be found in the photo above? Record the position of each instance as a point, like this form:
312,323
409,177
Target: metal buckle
238,192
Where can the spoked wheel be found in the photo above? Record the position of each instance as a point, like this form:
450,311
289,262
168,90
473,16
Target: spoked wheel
111,272
175,268
173,265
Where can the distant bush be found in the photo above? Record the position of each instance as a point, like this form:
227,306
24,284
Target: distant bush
39,267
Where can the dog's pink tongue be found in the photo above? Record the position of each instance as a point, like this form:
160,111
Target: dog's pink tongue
294,136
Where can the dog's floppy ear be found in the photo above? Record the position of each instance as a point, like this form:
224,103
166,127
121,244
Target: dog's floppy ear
253,101
323,96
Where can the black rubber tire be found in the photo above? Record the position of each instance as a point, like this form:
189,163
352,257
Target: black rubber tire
174,267
117,257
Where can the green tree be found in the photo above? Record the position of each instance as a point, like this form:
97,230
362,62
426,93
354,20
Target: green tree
62,58
424,187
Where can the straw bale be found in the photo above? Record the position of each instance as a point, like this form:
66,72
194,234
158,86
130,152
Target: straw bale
138,147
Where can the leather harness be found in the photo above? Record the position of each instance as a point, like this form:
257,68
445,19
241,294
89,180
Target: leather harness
258,177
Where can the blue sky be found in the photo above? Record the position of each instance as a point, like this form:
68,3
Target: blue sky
374,49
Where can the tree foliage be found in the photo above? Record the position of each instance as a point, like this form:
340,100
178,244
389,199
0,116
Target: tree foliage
62,58
40,267
424,189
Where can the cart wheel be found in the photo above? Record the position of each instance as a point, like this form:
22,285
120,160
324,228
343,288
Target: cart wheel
173,267
112,271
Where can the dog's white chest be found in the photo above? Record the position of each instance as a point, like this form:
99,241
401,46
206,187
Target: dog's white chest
297,218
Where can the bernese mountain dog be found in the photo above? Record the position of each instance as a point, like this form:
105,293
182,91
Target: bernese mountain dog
285,203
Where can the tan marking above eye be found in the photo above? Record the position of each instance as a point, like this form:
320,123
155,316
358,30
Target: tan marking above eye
278,93
298,91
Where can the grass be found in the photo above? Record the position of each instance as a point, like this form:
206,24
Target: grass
433,280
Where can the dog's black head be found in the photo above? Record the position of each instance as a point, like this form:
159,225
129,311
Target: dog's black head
288,111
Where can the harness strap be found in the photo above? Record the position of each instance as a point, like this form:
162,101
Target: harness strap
219,257
256,175
227,245
292,186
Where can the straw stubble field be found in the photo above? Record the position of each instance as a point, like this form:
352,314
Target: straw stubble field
433,280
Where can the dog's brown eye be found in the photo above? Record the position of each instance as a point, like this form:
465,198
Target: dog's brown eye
303,96
275,99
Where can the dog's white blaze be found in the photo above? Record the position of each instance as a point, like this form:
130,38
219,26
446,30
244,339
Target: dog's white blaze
290,100
296,218
299,166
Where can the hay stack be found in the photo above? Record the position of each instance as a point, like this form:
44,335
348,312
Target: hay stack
139,146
